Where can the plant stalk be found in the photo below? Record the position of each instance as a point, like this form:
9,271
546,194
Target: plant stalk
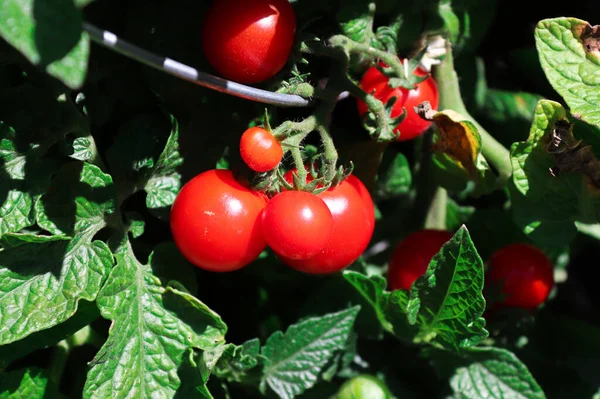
450,98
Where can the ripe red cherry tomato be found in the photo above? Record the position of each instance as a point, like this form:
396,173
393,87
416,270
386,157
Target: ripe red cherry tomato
215,222
353,222
249,41
373,80
526,274
412,256
297,224
412,126
260,150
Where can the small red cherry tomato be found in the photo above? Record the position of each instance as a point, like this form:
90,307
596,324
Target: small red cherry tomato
353,222
525,273
215,222
249,41
297,224
412,255
260,150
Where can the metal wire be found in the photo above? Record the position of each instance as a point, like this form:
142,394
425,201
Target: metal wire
186,72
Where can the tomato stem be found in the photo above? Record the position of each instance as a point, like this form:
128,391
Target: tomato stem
450,98
436,214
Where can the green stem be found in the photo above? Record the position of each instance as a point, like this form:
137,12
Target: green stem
436,215
450,98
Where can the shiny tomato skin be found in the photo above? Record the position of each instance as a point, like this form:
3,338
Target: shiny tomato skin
412,126
297,224
412,256
215,222
249,41
525,273
260,150
353,223
376,83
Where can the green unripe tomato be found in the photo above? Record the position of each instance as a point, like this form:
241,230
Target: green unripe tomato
363,387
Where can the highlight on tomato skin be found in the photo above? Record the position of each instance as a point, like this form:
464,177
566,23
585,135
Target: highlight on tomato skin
215,222
524,273
412,125
248,41
353,224
412,255
297,224
260,150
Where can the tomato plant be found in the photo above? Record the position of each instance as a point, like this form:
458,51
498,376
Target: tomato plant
260,150
412,256
251,44
353,222
524,273
297,224
373,81
153,242
215,222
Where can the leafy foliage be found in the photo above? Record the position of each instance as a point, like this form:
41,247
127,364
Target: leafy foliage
96,300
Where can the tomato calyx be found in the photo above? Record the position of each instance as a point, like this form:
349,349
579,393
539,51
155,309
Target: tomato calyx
315,180
411,79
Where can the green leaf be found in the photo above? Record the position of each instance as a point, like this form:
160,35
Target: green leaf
295,359
165,183
457,154
48,34
447,301
83,148
136,224
486,372
507,115
546,207
237,361
79,198
569,54
17,202
29,383
41,282
390,308
86,313
153,326
457,215
397,180
150,164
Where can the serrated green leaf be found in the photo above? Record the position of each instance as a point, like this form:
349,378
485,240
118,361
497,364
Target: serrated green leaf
42,282
153,326
390,308
546,206
295,359
165,183
31,383
447,301
356,21
86,313
48,34
79,198
16,210
571,68
237,361
487,372
83,148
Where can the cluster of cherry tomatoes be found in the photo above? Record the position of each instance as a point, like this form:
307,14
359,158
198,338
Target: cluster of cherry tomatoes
523,272
220,225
